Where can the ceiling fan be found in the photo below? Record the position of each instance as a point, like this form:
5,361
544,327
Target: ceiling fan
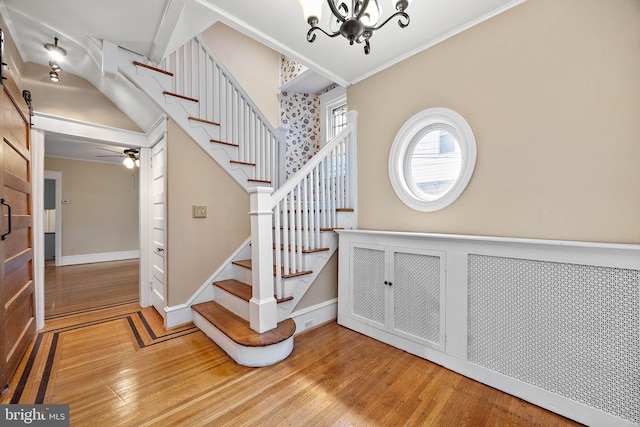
130,155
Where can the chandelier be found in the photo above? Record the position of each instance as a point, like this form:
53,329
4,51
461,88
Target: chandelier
356,20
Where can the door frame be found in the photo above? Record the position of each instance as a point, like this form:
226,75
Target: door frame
154,136
44,123
57,177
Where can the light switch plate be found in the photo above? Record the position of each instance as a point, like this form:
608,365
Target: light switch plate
199,211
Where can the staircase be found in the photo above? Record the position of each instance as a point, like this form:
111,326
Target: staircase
247,308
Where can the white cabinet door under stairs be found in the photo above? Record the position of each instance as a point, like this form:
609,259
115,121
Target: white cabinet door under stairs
396,290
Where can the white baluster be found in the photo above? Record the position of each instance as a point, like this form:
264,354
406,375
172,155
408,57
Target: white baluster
291,231
195,68
278,251
317,204
305,214
285,235
311,206
300,229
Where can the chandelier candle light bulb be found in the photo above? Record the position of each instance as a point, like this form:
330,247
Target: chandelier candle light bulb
355,20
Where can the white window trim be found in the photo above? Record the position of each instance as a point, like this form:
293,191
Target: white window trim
430,119
328,102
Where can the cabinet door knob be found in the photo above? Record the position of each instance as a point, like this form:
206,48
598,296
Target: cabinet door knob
386,283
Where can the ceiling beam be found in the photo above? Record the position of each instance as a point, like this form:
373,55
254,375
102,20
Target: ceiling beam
170,19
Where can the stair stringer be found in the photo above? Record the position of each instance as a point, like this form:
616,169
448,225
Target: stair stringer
226,271
153,84
298,286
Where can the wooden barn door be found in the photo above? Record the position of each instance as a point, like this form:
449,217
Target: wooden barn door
17,310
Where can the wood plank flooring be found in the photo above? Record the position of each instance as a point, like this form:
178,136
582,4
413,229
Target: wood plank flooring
77,288
118,366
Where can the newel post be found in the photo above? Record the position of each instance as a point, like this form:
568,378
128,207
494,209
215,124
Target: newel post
262,306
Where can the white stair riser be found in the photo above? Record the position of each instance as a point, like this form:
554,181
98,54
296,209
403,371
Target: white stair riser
231,302
210,131
242,274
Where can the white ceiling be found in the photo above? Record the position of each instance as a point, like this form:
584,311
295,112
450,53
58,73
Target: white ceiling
73,147
156,27
281,25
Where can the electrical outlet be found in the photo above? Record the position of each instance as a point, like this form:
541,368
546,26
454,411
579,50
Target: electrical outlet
199,211
308,324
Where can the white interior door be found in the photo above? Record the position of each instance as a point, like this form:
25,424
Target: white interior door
158,226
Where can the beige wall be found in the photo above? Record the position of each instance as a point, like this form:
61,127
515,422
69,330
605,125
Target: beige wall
102,214
11,56
324,288
255,66
74,97
198,246
552,92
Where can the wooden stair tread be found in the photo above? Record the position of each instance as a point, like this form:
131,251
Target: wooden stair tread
150,67
224,142
311,228
238,162
176,95
264,181
304,251
243,290
318,210
238,330
209,122
235,287
247,264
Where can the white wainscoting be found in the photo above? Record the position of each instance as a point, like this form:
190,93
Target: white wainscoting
556,323
98,257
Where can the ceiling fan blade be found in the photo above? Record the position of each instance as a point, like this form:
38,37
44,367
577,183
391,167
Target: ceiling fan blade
110,151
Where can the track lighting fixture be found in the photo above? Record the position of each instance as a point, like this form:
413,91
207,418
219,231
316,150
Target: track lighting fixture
55,52
54,77
54,66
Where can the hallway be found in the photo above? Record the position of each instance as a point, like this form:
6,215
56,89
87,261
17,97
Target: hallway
78,288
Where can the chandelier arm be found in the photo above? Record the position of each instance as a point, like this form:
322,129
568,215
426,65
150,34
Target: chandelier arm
365,3
311,37
400,23
335,11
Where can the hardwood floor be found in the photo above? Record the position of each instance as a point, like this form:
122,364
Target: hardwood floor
77,288
118,366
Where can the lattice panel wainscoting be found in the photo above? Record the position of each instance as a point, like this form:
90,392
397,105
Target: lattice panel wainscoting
368,301
416,309
568,328
555,323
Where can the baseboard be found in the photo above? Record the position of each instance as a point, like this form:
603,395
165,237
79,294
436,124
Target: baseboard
99,257
315,315
177,315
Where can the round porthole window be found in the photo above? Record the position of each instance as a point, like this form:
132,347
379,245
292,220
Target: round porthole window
432,159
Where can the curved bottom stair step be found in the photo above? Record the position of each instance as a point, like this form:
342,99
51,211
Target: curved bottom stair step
233,334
